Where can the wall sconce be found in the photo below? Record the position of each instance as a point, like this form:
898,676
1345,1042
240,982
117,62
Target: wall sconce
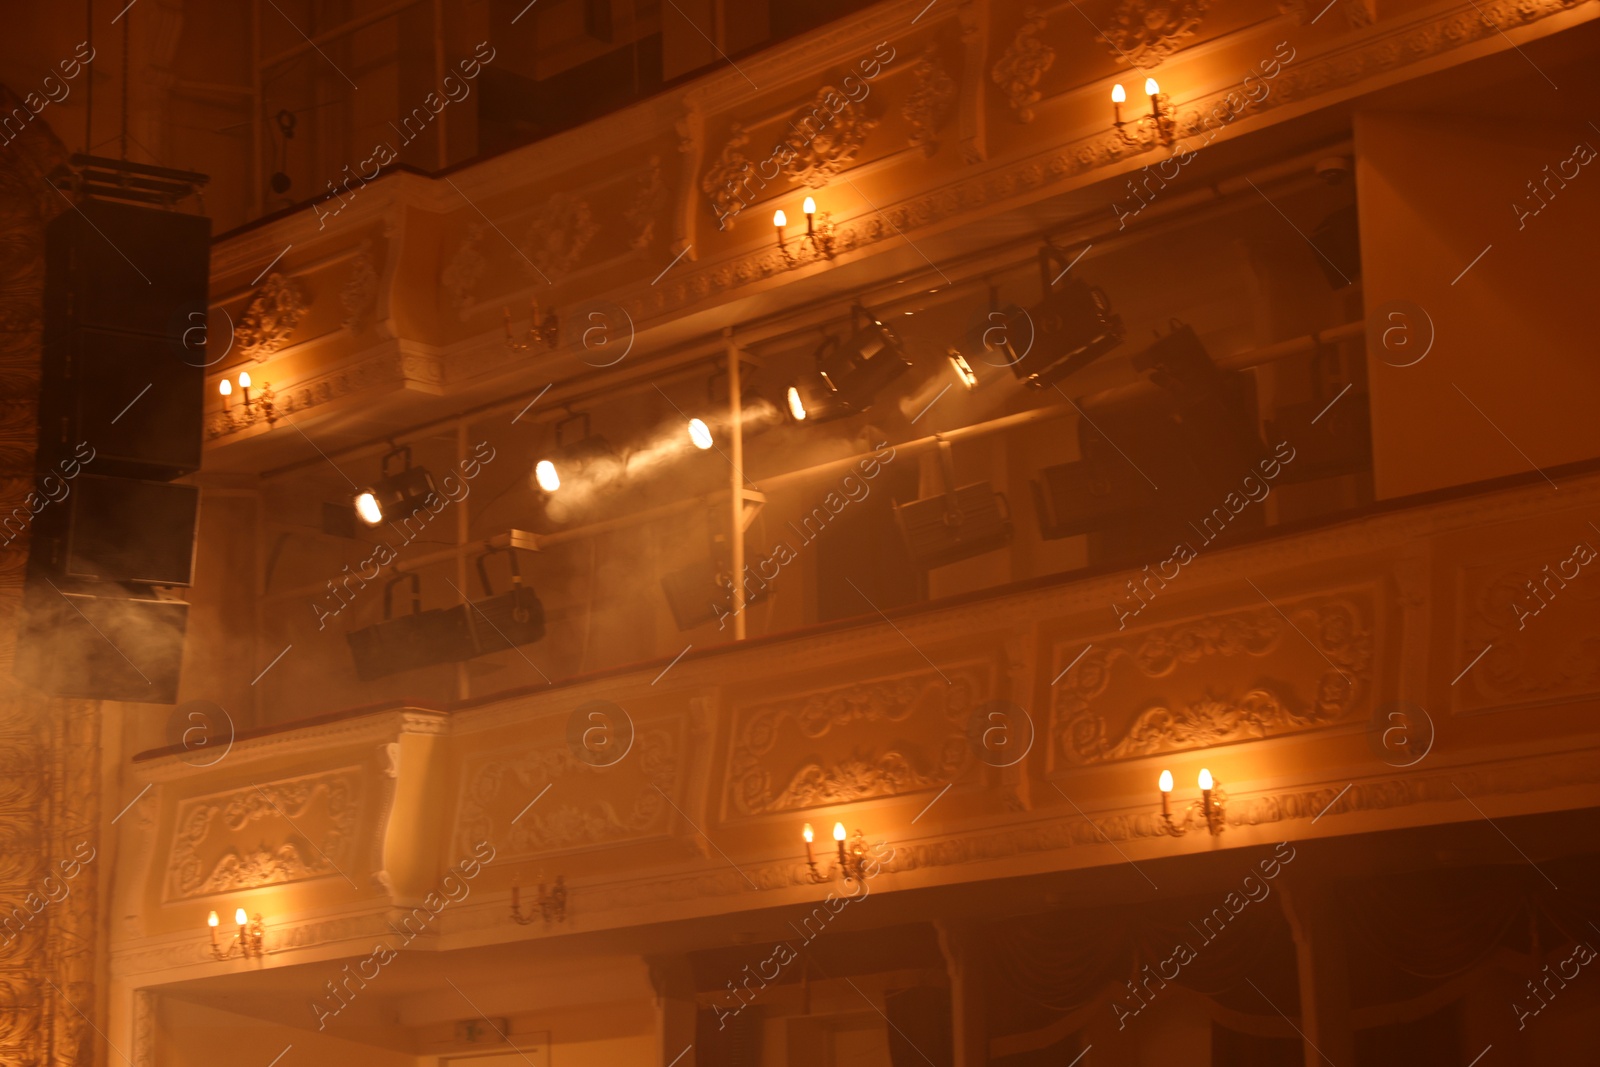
249,941
1210,808
852,861
543,332
1159,125
552,903
261,405
818,238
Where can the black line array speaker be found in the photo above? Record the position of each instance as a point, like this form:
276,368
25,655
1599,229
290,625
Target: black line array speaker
101,641
121,406
119,530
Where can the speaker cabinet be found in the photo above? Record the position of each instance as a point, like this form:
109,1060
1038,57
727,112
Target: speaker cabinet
104,642
119,530
136,399
124,268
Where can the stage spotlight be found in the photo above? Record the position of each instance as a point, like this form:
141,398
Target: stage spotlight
963,369
396,494
1070,328
956,525
570,456
850,373
700,434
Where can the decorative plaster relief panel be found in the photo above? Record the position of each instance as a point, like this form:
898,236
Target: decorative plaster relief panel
1538,615
588,807
879,738
1217,679
263,835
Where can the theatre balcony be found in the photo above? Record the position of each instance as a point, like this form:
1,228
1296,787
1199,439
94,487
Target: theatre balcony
720,534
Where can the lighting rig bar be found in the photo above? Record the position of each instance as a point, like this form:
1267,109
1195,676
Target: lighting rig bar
121,179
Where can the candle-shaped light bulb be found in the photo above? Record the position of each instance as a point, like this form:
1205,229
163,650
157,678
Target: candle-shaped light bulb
240,917
1165,784
810,208
838,831
807,833
1118,93
779,221
211,921
225,387
811,857
1151,88
244,379
1205,780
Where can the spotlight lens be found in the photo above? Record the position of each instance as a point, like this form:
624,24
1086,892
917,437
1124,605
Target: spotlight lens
700,434
545,474
368,509
963,369
797,407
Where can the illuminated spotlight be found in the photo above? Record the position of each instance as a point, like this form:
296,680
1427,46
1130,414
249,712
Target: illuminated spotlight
398,493
1071,327
850,373
700,434
957,524
963,369
570,456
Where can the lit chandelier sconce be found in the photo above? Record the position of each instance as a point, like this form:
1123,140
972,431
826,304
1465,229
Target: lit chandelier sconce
852,861
543,332
819,234
248,942
551,904
1208,810
1159,125
253,408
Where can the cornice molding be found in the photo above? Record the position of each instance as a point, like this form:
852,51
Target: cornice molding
317,738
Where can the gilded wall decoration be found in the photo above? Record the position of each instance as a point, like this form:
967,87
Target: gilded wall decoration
272,834
1538,620
359,294
590,805
270,317
1023,63
1144,32
558,234
722,181
649,201
825,137
928,105
1278,682
461,275
881,738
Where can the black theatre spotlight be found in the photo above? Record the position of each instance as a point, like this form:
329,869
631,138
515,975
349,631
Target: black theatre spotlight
571,456
397,493
957,524
1070,328
850,373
